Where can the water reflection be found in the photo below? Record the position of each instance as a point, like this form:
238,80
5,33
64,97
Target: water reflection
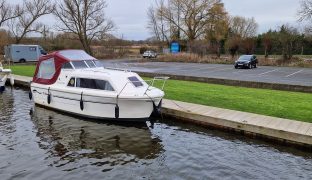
6,112
239,138
72,139
49,145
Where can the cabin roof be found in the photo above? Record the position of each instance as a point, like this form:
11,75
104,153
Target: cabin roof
73,55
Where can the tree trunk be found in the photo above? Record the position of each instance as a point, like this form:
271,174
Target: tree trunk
219,50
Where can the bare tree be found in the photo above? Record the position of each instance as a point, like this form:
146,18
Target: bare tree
8,12
153,23
217,27
189,16
305,11
28,21
248,45
267,43
233,44
4,40
287,39
85,18
157,24
243,27
240,34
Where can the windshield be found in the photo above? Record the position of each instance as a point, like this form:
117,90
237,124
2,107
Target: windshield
90,64
244,58
79,64
98,63
83,64
76,55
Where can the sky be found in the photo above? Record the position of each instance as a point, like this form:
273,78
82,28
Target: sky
130,16
131,19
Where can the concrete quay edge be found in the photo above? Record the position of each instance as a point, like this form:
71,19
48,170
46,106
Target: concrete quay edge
277,129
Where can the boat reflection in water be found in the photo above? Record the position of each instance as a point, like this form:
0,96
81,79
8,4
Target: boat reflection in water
73,139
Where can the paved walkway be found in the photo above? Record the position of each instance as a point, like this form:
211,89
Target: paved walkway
276,128
22,78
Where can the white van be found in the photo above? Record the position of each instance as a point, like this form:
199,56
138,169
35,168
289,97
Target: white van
23,53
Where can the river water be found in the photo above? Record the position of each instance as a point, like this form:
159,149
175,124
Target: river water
50,145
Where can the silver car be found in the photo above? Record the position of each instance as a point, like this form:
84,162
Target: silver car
149,54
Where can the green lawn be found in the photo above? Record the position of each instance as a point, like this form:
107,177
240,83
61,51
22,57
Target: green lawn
23,70
290,105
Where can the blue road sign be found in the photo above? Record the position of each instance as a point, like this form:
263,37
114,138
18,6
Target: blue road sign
175,47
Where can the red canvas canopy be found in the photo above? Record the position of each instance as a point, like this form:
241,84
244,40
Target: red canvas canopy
56,60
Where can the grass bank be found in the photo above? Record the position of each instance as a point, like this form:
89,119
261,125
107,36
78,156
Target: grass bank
283,104
23,70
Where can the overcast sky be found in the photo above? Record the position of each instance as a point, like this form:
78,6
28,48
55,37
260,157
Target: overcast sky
130,15
131,19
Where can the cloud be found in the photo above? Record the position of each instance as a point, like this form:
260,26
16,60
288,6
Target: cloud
269,14
130,16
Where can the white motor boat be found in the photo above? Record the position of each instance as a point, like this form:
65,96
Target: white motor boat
74,82
4,75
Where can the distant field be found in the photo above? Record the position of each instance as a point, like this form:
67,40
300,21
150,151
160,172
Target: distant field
283,104
279,56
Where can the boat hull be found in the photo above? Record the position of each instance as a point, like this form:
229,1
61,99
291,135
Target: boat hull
95,107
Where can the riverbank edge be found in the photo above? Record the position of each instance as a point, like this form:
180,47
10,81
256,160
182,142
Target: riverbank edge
277,130
282,131
230,82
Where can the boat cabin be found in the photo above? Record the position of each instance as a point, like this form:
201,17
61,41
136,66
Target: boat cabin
76,68
49,67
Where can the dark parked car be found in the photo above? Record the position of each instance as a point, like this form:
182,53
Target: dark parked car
246,61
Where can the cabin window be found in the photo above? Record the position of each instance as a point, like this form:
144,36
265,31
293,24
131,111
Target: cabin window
94,84
90,64
79,64
67,66
71,82
135,81
46,69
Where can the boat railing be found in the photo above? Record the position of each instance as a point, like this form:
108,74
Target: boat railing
160,78
118,69
148,82
157,78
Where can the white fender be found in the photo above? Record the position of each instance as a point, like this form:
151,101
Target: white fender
12,80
